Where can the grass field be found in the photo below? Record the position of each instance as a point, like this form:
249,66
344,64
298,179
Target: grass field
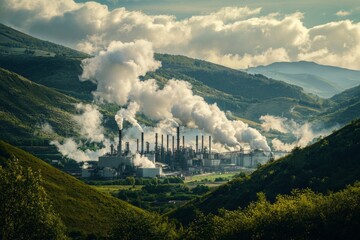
211,177
114,189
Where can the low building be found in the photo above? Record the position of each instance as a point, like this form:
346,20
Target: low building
148,172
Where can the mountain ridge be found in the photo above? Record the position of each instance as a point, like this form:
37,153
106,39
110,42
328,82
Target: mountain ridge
324,80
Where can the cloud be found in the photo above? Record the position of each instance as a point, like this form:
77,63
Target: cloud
342,13
233,36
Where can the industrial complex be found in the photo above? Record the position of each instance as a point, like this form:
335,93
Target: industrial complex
169,157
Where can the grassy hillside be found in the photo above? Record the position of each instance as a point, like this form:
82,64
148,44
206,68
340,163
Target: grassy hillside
26,105
345,107
60,73
230,81
247,96
15,42
328,165
84,210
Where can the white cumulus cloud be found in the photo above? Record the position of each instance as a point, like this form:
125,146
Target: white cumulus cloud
233,36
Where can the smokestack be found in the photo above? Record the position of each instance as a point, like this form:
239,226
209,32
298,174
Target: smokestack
147,147
162,141
183,142
197,144
156,142
173,145
167,143
178,138
137,145
112,149
162,148
120,143
209,146
142,143
202,144
127,147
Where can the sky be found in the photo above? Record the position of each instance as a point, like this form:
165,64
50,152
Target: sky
234,33
316,11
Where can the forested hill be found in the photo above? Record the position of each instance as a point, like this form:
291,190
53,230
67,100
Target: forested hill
26,105
86,212
345,107
328,165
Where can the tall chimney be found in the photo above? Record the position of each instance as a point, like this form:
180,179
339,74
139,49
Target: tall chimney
156,142
197,144
112,149
173,145
162,148
142,143
167,143
178,138
183,142
202,144
162,141
120,143
209,146
147,147
137,145
127,147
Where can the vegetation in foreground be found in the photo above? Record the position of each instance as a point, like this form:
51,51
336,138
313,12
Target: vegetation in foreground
328,165
26,210
302,215
85,212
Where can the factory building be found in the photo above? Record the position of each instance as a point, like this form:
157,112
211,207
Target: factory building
148,172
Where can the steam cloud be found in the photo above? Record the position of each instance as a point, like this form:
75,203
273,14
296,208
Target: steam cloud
142,161
304,133
129,115
71,149
89,121
116,71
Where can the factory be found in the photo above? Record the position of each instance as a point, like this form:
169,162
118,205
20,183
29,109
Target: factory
172,156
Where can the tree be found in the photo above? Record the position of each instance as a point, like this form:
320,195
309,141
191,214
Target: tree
143,226
25,210
130,181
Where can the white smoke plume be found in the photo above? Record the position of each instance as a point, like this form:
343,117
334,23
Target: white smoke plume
129,115
71,149
141,161
303,133
116,71
90,120
279,124
44,128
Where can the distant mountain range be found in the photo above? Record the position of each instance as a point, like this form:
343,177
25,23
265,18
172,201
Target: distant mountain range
324,81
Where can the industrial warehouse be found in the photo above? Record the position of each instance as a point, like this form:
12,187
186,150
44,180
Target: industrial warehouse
166,159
